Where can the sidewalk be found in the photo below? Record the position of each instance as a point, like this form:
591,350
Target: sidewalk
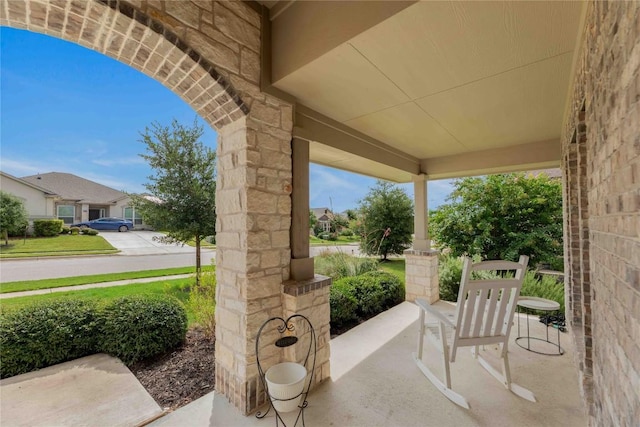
92,285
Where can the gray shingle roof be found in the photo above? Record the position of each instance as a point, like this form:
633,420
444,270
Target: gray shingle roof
72,187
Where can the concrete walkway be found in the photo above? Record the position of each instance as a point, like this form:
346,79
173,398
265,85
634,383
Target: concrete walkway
96,390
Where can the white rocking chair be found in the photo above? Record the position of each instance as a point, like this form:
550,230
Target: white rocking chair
484,315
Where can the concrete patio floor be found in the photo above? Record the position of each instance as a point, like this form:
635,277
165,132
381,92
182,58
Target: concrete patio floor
375,382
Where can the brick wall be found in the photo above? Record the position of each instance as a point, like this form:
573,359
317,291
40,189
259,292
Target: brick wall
601,159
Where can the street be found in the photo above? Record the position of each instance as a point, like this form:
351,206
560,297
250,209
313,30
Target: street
47,268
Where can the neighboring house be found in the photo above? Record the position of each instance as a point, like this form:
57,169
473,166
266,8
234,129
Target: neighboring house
324,217
78,199
38,201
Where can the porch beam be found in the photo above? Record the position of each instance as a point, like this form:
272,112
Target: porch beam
535,155
313,126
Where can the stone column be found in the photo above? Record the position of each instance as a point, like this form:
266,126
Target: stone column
253,199
421,263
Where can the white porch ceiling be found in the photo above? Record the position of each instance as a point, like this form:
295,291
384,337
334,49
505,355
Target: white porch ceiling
432,80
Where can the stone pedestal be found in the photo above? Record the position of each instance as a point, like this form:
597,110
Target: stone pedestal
421,269
310,298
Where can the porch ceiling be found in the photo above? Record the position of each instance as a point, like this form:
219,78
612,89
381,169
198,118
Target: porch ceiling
392,89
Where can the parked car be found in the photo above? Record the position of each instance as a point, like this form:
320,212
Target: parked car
107,224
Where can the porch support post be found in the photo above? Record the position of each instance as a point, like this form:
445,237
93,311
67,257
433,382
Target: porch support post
421,263
301,263
305,293
421,217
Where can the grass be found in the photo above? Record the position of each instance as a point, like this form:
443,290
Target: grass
178,288
30,285
64,244
394,266
342,240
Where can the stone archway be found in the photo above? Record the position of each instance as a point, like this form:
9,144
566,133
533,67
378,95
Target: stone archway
208,53
147,39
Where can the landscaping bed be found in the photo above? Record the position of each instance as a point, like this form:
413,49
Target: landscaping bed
181,376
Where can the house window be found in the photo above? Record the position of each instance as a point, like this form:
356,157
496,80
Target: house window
67,213
131,214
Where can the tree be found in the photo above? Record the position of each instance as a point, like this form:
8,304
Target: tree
386,220
312,220
501,217
183,185
13,215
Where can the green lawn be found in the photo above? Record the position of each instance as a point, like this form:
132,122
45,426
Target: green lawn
394,266
29,285
178,288
64,244
342,240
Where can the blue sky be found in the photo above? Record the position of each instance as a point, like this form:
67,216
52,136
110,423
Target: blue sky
65,108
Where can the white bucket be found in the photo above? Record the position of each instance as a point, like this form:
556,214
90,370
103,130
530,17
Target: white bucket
286,381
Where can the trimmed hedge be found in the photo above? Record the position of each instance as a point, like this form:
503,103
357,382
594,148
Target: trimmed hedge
52,332
45,334
47,227
361,297
136,327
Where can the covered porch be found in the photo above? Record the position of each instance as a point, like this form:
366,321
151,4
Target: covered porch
374,382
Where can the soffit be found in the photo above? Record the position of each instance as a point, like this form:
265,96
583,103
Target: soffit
447,78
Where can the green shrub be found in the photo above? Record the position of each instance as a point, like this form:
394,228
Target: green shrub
449,275
136,327
343,305
47,227
90,232
74,230
346,232
202,302
364,296
47,333
338,265
333,237
545,287
65,230
324,236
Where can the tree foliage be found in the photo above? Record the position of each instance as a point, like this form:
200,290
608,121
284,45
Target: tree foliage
13,215
183,185
386,220
502,216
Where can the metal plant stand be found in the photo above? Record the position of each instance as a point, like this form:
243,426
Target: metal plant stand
287,330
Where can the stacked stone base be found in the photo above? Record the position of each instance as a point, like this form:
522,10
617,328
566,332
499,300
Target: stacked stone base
421,269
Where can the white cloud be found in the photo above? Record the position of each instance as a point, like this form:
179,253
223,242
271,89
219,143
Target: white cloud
19,168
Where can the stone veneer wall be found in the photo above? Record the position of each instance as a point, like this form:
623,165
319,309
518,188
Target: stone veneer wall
421,271
208,53
601,159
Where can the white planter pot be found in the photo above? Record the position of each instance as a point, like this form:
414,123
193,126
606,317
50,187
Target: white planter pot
286,381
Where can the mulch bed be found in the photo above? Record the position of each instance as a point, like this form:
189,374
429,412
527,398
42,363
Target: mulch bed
182,376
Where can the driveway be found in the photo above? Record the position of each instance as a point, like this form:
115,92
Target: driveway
142,243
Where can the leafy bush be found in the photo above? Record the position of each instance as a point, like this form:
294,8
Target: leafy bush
372,293
65,230
90,232
333,237
449,275
45,334
47,227
136,327
338,265
202,302
324,235
543,287
74,230
343,305
346,232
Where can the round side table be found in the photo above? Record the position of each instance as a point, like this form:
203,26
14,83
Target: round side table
540,304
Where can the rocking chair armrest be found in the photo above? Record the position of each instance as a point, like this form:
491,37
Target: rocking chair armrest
424,305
